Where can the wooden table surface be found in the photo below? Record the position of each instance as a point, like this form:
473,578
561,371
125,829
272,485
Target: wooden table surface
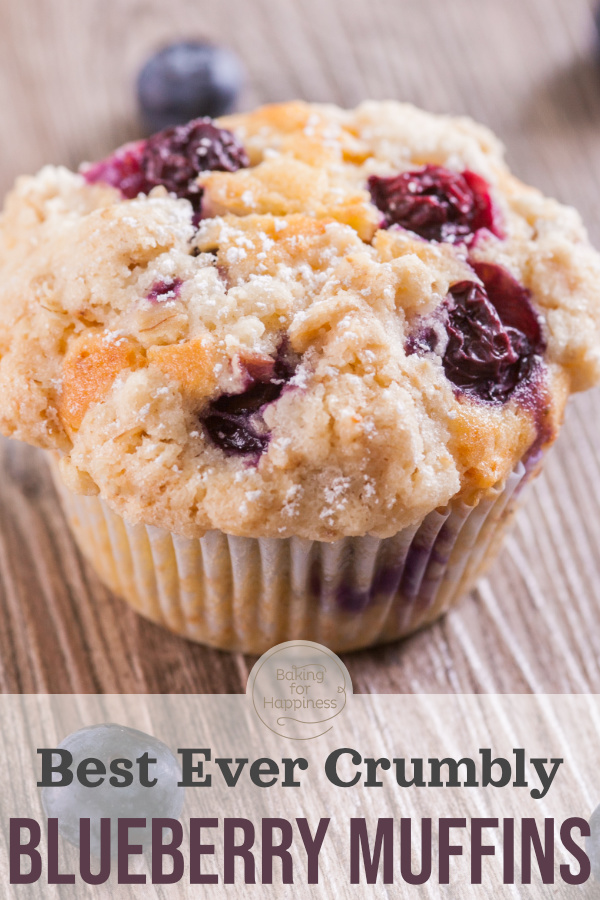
524,67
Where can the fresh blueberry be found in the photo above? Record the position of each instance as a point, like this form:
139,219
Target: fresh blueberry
186,80
70,803
435,203
592,843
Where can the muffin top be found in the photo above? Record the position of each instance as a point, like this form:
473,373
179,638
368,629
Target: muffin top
297,321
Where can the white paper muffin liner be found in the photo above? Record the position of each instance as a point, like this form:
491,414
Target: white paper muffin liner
248,594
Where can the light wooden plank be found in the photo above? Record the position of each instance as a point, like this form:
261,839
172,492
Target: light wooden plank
526,68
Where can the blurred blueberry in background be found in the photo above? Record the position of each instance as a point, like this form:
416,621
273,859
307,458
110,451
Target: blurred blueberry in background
592,843
70,803
186,80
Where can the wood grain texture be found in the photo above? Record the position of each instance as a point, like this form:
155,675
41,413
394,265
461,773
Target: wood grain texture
526,68
409,727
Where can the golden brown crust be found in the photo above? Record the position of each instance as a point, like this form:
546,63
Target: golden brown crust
190,364
89,369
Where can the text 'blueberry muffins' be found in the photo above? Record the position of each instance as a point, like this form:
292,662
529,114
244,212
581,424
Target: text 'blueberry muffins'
293,366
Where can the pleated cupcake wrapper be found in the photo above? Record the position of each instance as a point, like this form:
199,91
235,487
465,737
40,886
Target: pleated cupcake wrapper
248,594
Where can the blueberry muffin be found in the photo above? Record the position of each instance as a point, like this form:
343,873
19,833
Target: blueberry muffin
293,367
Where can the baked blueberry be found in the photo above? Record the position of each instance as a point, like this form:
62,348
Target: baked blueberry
233,421
107,743
122,169
185,80
173,158
490,335
176,156
435,203
165,291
